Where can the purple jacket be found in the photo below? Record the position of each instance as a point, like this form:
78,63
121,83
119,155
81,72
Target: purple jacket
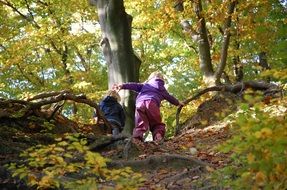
154,89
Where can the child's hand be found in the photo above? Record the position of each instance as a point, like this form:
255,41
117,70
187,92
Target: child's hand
117,87
181,104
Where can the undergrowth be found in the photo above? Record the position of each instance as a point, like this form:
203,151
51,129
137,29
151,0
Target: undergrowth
258,148
69,164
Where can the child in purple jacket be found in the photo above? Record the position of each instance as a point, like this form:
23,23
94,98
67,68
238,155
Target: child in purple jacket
147,114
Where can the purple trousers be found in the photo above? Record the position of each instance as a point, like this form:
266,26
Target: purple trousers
147,117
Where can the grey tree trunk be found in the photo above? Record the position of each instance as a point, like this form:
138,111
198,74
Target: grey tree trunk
200,36
225,43
123,65
203,43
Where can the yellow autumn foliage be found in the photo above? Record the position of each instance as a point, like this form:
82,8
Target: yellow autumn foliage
260,178
263,133
55,165
259,147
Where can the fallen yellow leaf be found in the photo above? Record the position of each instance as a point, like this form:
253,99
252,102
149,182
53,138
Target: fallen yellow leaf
260,178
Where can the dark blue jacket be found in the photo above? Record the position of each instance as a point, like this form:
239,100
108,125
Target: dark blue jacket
113,111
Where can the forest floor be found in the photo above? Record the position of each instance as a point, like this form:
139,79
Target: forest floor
200,144
169,170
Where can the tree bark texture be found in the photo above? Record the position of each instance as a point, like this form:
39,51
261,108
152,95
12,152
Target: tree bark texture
237,65
122,63
264,64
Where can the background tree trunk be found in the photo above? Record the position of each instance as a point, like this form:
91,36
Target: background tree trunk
264,64
200,36
123,65
263,61
225,43
203,45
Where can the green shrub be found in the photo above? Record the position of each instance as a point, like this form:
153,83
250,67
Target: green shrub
258,148
69,164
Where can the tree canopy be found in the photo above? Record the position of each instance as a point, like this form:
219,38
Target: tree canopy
55,45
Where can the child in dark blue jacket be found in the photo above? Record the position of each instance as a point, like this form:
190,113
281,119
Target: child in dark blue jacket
113,111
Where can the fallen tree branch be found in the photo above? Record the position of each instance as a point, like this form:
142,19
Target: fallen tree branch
34,104
11,101
54,97
268,88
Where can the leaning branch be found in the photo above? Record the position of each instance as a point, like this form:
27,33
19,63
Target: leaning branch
268,88
16,10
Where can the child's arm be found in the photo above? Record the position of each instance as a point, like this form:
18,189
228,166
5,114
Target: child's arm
130,86
171,99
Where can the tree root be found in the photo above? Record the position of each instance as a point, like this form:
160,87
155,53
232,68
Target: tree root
96,146
159,161
127,148
182,175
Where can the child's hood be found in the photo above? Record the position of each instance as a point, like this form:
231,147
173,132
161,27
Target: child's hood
157,83
110,100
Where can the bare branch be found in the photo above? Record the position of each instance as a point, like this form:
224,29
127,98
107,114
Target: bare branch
3,47
29,19
57,107
27,77
31,14
59,96
83,60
